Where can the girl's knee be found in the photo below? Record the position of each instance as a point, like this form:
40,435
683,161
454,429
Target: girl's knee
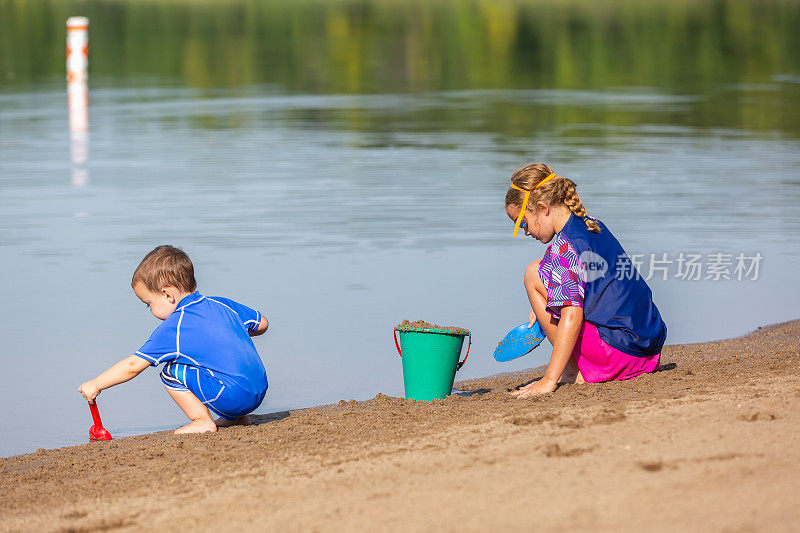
531,278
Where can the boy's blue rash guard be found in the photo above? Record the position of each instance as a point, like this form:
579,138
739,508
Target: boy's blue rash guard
620,306
210,334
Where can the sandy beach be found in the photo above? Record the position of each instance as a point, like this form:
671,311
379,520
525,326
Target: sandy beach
712,445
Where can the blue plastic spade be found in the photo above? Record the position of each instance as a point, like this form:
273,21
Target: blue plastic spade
519,341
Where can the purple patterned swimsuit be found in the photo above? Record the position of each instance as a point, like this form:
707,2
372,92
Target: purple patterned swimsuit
564,275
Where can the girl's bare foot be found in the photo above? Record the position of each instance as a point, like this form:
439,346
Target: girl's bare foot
241,421
541,386
571,373
197,426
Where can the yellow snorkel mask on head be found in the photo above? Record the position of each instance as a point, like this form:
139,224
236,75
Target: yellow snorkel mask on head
526,198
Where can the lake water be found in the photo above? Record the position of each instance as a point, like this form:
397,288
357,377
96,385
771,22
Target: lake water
341,166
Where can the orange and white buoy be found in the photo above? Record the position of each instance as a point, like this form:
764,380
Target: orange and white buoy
77,48
78,95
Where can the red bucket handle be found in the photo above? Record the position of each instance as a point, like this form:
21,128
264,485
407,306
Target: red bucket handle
397,344
460,363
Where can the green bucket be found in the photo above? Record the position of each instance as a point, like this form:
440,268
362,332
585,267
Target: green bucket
430,361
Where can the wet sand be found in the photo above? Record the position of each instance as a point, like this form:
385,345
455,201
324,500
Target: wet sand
713,445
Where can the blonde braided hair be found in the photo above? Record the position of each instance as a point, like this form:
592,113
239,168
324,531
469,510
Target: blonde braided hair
557,191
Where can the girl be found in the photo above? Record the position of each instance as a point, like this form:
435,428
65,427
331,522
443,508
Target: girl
595,309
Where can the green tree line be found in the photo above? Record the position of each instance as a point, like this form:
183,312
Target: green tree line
379,46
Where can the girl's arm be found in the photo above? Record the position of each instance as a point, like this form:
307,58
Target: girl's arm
125,370
569,325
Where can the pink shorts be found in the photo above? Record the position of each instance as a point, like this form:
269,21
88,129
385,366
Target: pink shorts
598,361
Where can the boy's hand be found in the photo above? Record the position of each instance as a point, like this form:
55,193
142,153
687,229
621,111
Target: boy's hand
531,319
89,390
125,370
262,327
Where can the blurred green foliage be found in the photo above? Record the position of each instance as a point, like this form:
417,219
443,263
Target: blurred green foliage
380,46
386,45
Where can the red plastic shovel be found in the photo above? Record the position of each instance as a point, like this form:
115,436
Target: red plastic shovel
97,431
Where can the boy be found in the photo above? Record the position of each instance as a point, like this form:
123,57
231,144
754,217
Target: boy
210,360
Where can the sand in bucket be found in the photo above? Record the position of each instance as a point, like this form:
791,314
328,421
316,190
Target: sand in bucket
430,356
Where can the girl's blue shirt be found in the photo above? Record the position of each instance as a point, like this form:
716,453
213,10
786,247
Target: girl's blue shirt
617,300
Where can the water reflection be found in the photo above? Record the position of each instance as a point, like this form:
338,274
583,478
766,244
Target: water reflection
78,97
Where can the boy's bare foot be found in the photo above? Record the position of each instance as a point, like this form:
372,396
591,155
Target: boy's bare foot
197,426
241,421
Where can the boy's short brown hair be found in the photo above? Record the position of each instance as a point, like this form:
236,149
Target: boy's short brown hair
165,266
